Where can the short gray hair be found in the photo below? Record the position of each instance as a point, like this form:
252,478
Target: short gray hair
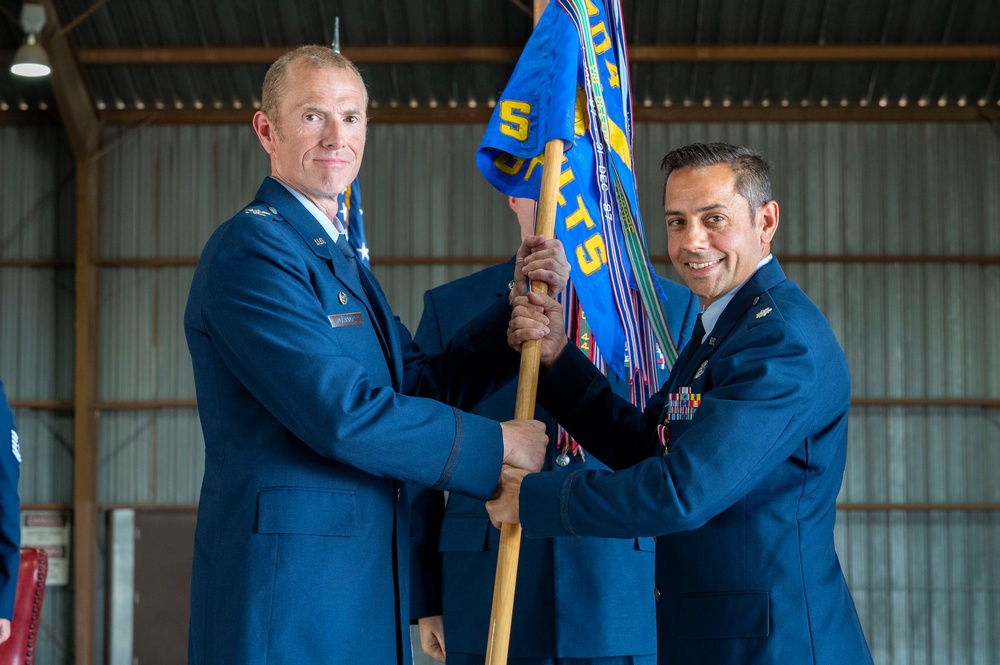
322,57
753,174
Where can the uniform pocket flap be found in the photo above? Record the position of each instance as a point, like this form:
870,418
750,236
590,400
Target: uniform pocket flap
725,615
306,512
464,533
645,544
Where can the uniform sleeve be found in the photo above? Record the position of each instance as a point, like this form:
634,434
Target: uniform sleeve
752,419
10,507
606,424
426,505
261,312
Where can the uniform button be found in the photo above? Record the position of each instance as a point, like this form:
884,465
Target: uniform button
399,494
656,593
271,210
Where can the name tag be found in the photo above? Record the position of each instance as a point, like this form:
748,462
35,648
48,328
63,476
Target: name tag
342,320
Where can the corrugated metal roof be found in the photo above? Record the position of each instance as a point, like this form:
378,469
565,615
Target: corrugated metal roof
732,79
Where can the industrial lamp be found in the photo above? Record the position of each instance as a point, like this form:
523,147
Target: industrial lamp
30,59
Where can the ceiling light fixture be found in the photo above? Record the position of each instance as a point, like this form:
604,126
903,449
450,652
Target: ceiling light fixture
30,59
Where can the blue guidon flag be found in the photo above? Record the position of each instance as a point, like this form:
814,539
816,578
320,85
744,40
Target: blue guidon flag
572,83
351,217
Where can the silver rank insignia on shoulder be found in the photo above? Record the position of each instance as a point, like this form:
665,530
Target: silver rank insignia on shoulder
319,241
701,368
254,211
764,312
342,297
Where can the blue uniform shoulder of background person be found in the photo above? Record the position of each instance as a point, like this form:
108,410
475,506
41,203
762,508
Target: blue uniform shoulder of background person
10,506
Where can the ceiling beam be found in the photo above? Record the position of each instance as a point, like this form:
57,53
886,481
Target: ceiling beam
481,114
239,55
507,54
76,109
654,114
815,53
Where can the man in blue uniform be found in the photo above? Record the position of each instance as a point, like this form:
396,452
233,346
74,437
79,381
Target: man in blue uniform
10,514
578,600
737,463
310,398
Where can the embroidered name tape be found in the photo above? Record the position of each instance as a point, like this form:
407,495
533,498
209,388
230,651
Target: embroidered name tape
344,320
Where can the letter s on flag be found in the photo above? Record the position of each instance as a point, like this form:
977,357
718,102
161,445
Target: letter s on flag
518,124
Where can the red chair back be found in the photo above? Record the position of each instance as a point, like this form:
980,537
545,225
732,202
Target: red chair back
20,648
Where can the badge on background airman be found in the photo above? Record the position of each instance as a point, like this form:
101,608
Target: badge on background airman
319,241
342,297
254,211
701,368
764,312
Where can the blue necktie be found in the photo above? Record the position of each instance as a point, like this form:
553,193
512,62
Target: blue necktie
698,334
691,350
348,252
352,260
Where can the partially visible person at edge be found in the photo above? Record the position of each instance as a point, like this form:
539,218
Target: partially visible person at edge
313,401
579,601
737,463
10,514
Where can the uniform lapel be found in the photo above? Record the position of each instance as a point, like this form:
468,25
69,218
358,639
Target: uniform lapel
765,278
384,323
275,195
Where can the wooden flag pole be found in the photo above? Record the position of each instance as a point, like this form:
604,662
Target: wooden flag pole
524,409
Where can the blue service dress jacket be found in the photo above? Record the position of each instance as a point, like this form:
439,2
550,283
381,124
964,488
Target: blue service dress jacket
744,502
575,597
10,507
309,397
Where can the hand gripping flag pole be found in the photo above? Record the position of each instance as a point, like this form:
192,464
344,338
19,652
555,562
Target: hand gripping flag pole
498,641
569,92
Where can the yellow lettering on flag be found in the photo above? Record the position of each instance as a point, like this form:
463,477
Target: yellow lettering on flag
514,112
535,161
600,30
581,214
580,116
613,79
619,143
591,8
508,164
565,177
592,254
